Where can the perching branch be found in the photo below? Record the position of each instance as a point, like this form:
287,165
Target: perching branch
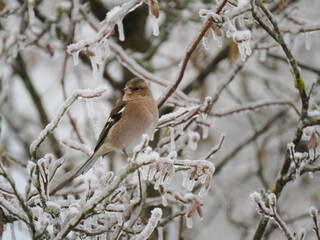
77,94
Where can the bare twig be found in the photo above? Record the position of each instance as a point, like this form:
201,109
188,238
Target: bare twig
255,107
202,33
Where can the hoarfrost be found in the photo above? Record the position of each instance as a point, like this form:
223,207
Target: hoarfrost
193,139
189,222
155,25
75,57
121,31
156,214
31,5
308,40
205,42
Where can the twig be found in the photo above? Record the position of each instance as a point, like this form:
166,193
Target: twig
21,70
8,156
139,71
300,64
107,29
216,147
255,107
95,201
299,84
245,143
77,94
271,212
72,122
314,214
25,207
203,31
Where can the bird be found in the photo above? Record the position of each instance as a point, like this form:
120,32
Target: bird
134,115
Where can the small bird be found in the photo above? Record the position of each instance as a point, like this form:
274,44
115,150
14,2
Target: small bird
135,114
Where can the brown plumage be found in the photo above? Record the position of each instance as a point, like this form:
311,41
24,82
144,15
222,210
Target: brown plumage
135,114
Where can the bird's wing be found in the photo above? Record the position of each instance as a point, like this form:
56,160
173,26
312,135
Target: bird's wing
115,116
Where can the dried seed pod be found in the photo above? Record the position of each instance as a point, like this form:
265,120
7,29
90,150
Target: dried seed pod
216,29
154,8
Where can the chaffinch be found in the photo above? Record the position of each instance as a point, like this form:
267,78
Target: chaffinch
135,114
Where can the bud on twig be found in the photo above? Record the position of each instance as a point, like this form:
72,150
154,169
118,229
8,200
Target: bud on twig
154,8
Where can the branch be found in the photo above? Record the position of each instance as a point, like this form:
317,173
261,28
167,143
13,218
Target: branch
139,71
20,69
93,202
21,201
77,94
202,33
255,107
271,212
246,142
107,26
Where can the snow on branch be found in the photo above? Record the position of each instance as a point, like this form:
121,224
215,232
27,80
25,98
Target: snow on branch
77,146
314,215
151,225
77,94
162,169
113,17
270,211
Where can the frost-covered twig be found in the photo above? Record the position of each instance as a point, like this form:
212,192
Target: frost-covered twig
26,215
215,148
182,118
255,106
206,26
77,94
8,157
271,212
162,170
233,73
129,63
314,214
114,17
151,225
77,146
299,83
95,200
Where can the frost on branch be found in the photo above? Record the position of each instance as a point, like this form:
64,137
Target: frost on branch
161,170
77,94
222,21
270,211
151,225
97,47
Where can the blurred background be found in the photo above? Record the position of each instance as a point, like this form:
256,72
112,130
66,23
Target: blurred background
258,109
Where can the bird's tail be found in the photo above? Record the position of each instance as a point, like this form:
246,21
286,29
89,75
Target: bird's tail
87,165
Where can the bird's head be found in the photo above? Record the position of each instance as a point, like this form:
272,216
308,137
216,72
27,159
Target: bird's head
136,88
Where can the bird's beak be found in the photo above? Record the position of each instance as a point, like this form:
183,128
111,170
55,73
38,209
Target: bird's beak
127,90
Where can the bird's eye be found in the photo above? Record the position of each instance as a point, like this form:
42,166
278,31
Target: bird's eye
135,89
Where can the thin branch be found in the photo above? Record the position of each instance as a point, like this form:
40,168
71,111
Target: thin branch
300,64
255,107
107,28
202,33
21,201
246,142
20,69
72,122
77,94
